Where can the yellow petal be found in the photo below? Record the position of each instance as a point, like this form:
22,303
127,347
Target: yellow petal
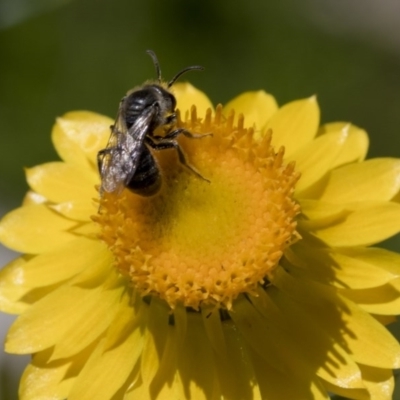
77,210
49,382
257,108
60,182
106,370
382,300
88,323
180,318
316,158
198,378
89,229
271,341
127,318
154,339
172,381
266,338
31,198
295,124
172,389
236,373
355,273
99,271
15,296
355,394
379,382
213,327
361,335
34,229
377,179
368,225
320,214
274,384
52,267
337,268
167,383
42,325
382,258
79,135
330,361
187,95
356,146
379,385
385,320
11,288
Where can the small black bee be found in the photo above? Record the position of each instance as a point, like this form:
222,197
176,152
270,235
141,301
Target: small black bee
127,161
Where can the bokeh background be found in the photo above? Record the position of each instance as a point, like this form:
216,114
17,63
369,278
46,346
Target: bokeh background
62,55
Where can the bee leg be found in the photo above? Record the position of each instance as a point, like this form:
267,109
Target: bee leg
100,156
173,134
183,161
186,133
181,155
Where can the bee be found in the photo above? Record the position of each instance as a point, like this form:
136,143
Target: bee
128,160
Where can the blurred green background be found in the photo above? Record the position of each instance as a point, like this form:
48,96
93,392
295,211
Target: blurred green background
60,55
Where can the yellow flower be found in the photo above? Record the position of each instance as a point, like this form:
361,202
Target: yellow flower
259,284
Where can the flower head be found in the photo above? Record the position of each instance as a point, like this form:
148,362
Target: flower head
260,283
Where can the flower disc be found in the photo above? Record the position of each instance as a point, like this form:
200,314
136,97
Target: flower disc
205,242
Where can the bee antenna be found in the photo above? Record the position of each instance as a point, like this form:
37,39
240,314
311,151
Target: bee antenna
156,63
192,68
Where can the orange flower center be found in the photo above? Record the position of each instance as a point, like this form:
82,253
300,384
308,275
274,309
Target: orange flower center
199,242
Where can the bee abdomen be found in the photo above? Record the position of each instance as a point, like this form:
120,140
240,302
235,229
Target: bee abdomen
147,180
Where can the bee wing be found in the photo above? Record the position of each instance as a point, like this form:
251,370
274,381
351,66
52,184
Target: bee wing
136,136
109,159
119,160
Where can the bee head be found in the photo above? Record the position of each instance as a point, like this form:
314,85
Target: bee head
151,95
